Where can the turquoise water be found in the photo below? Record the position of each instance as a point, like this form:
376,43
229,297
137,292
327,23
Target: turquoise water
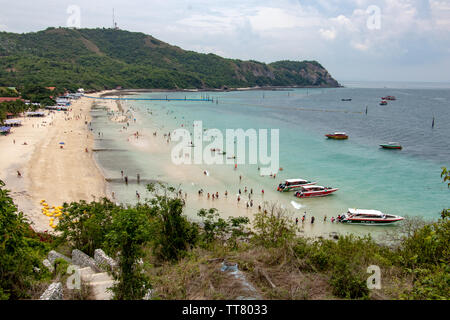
405,182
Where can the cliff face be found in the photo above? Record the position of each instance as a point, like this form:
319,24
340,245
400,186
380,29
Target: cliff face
106,58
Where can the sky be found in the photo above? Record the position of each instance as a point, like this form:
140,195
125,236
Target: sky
356,40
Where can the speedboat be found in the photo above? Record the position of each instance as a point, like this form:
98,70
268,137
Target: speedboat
293,184
391,145
337,136
346,99
389,98
363,216
383,103
314,191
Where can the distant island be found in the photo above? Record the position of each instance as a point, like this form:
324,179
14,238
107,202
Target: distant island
98,59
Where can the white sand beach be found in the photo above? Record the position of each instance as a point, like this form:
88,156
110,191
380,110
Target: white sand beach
48,171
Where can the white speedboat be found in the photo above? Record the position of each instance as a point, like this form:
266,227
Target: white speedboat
293,184
363,216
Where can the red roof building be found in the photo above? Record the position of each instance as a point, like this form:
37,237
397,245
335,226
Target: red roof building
5,99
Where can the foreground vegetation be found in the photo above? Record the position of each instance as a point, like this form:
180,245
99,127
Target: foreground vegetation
182,259
105,58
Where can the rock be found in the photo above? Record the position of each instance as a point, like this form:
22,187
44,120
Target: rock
104,261
53,292
53,255
251,293
334,235
81,259
48,264
148,295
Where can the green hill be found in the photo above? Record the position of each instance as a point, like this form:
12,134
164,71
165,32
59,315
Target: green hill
106,58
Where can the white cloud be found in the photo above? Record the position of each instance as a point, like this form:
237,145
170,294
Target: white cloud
328,34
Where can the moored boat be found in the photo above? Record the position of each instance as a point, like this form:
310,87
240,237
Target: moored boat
383,103
346,99
389,98
337,136
293,184
391,145
314,191
363,216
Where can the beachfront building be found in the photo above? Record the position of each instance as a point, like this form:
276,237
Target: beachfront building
58,108
13,122
35,114
63,100
5,130
7,99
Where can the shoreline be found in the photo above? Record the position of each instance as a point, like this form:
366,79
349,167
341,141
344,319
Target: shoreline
50,172
118,92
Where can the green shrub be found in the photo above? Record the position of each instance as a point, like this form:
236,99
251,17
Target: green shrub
347,282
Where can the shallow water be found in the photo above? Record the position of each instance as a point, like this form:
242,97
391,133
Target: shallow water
405,182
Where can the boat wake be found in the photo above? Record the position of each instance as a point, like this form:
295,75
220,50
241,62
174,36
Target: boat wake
296,205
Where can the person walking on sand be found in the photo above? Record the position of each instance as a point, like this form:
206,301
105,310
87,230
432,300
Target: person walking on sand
226,194
296,221
138,178
19,174
325,218
251,203
217,195
238,199
240,191
262,191
303,219
121,172
312,220
240,178
209,195
126,179
138,195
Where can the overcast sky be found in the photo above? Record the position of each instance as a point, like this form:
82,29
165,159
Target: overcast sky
401,40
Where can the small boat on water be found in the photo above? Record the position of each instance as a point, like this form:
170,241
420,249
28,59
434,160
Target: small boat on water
346,99
389,98
293,184
363,216
383,103
391,145
314,191
337,136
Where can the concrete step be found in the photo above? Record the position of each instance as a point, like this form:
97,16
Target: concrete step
86,273
98,277
99,289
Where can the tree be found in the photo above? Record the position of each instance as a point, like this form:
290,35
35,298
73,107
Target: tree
445,175
84,225
19,254
130,231
175,234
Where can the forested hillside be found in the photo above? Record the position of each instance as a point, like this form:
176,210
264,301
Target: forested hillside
106,58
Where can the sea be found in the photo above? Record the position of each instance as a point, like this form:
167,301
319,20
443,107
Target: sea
403,182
